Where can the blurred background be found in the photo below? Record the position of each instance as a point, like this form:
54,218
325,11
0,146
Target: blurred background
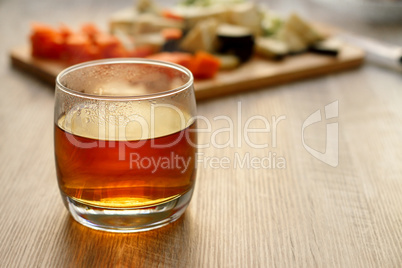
365,17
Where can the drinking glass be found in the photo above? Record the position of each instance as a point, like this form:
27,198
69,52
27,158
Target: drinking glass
125,143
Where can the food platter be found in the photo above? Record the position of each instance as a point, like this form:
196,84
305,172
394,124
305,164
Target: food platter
254,74
275,52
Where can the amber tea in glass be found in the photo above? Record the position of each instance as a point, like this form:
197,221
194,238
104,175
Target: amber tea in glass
125,143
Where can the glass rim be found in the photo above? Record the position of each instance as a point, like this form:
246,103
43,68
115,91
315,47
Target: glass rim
144,61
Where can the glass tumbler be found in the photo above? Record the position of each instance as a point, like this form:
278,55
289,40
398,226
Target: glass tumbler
125,143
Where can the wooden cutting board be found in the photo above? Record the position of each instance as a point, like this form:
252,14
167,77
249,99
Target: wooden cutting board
256,73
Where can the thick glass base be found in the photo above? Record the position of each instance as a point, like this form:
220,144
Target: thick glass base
128,220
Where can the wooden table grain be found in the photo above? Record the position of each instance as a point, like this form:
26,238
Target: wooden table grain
305,213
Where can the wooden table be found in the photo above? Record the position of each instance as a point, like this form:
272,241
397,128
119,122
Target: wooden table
304,214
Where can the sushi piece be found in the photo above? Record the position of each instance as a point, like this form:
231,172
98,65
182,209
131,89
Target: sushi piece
201,38
228,62
271,48
329,47
236,40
